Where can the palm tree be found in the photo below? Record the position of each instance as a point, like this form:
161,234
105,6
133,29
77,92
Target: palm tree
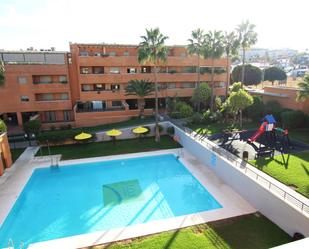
231,45
2,78
141,89
195,47
247,37
303,92
213,49
152,50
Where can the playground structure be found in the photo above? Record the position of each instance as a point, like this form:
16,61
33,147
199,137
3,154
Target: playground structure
275,138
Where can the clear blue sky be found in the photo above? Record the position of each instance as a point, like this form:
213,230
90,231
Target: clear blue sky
46,23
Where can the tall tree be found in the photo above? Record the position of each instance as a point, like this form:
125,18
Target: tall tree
303,92
247,37
213,49
141,89
2,77
201,94
238,101
152,50
231,45
195,47
274,73
253,75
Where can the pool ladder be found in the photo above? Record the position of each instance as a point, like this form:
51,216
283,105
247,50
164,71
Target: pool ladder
56,165
11,244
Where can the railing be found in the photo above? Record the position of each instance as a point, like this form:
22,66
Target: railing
79,110
253,174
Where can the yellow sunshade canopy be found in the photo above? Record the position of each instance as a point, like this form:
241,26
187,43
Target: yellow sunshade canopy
113,133
83,136
140,130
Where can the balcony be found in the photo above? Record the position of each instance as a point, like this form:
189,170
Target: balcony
131,61
162,77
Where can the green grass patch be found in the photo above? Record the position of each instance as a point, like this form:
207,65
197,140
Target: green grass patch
300,135
292,170
16,153
252,231
61,135
215,128
107,148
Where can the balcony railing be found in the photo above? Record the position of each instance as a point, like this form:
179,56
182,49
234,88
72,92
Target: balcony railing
110,109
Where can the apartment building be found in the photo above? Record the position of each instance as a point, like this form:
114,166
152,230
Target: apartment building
86,86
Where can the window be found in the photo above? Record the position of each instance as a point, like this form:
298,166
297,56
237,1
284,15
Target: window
183,55
116,103
98,70
22,80
64,96
86,88
219,85
126,53
24,98
45,79
83,53
50,116
63,79
115,87
84,70
114,70
45,97
131,70
67,115
188,85
171,85
146,69
99,87
112,53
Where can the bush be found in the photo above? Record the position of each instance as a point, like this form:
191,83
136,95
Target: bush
197,118
3,127
58,136
257,110
185,110
253,74
293,119
32,127
273,107
170,130
211,117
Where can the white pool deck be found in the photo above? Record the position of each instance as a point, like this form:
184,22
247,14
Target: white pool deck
14,180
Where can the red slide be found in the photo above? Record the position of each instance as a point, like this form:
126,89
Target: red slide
259,132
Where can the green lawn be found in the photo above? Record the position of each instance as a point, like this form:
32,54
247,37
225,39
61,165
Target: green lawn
16,153
301,135
215,128
247,232
291,170
108,148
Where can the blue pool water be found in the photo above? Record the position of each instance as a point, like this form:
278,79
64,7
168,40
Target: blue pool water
90,197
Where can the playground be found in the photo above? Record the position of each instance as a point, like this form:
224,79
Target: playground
268,140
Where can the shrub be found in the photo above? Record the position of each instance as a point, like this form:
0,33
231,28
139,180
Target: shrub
170,130
3,127
293,119
273,107
256,110
175,115
197,118
32,126
210,117
185,110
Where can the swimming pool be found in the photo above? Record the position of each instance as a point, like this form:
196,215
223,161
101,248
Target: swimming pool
84,198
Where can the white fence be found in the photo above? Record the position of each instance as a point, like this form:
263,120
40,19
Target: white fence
285,207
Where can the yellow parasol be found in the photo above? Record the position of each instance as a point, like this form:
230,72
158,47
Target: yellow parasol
83,136
140,130
113,133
